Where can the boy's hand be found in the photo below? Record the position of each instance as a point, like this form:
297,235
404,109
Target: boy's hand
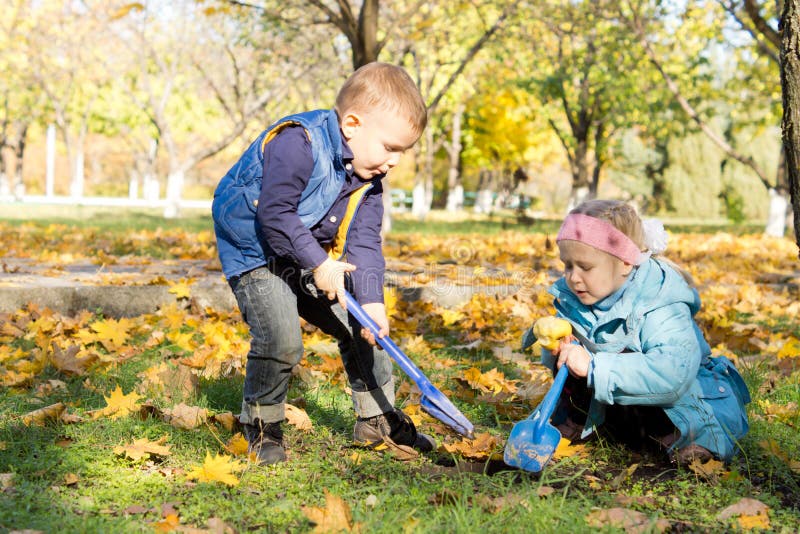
576,358
329,278
377,311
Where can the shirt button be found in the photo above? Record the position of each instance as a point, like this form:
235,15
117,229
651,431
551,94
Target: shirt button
721,389
349,166
333,218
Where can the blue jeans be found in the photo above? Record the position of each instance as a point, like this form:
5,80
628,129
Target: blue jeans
271,300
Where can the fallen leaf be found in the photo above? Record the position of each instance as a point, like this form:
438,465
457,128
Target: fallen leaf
709,469
565,449
143,448
185,416
227,420
749,513
42,415
219,468
334,517
67,361
6,481
237,445
70,479
479,448
630,521
298,417
118,404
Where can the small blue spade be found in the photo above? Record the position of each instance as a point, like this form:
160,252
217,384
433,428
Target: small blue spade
533,441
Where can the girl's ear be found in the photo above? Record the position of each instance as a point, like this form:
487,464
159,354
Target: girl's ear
350,124
626,268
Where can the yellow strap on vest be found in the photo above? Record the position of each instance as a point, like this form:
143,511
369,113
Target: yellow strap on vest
336,249
278,129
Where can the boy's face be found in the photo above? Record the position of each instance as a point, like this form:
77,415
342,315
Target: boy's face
377,139
591,274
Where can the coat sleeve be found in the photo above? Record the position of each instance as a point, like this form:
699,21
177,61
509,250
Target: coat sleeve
664,369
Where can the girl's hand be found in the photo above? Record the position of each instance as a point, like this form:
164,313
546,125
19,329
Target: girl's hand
377,311
576,358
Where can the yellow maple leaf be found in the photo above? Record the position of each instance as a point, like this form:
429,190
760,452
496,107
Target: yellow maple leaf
334,517
708,469
492,381
790,349
143,448
181,288
184,340
479,448
451,317
218,468
118,404
237,445
566,449
112,333
750,522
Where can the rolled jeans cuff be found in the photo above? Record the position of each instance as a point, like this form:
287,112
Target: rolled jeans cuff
267,413
375,401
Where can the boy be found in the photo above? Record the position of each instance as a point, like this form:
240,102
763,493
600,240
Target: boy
302,199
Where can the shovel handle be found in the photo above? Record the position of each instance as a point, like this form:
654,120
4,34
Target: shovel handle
550,400
388,345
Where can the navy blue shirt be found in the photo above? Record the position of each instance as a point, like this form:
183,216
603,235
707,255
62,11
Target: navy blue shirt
288,163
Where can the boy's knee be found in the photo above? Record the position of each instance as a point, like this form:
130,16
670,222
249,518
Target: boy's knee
288,352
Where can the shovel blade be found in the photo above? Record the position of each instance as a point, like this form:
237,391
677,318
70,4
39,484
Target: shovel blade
445,412
531,446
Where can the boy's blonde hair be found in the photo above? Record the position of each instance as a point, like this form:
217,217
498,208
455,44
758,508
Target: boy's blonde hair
387,87
624,218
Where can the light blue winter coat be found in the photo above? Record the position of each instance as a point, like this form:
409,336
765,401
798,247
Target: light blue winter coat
648,350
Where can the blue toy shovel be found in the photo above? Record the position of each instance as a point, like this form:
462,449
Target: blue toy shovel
432,401
533,441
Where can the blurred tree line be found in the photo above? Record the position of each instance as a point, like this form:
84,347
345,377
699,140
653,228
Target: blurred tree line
675,105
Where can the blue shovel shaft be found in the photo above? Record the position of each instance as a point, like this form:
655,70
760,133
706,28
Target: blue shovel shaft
548,404
433,400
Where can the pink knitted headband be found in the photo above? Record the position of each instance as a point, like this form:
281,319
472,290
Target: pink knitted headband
601,235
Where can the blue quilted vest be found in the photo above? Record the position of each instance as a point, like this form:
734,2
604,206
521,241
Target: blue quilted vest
240,243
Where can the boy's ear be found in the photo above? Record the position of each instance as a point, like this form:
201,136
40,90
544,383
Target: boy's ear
350,123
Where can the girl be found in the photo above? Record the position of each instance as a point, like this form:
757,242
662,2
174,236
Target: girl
643,367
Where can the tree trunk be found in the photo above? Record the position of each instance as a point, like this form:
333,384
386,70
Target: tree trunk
19,153
790,83
455,193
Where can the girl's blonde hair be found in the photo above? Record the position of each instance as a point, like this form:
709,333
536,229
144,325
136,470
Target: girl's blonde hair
385,87
624,218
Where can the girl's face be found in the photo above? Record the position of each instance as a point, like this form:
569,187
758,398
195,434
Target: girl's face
591,273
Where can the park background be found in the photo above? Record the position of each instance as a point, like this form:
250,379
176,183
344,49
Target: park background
121,358
673,105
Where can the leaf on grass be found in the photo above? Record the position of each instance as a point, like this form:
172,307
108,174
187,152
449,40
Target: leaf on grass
493,381
6,481
219,468
118,404
749,513
709,469
566,449
479,448
790,349
771,446
112,333
298,418
630,521
334,517
143,448
71,479
42,415
185,416
174,381
403,453
168,524
226,419
67,361
237,445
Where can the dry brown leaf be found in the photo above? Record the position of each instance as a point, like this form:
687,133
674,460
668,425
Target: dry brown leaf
227,420
630,521
6,481
185,416
335,516
42,415
298,418
403,453
67,361
71,479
